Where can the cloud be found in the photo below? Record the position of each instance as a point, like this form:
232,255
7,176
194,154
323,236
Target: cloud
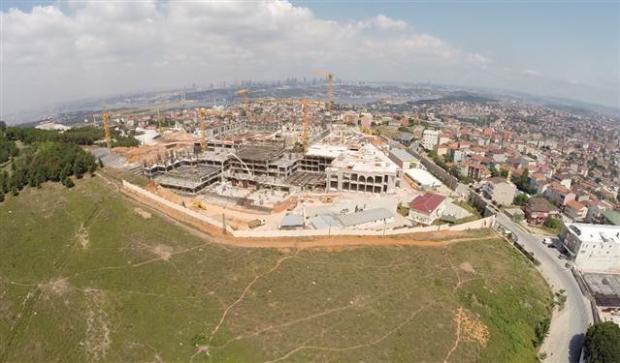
532,73
78,49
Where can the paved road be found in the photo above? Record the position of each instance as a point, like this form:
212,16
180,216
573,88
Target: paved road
569,325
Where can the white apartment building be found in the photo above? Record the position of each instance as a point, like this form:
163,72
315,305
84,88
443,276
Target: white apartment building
594,247
430,139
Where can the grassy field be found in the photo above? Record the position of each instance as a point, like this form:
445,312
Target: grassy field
85,276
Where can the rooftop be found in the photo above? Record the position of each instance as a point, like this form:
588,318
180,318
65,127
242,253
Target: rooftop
539,204
605,288
426,203
423,177
595,233
363,217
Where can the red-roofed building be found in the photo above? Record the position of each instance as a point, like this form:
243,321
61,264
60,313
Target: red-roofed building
424,209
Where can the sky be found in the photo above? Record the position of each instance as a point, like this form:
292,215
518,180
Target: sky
60,50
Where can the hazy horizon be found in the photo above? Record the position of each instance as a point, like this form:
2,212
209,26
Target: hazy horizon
62,51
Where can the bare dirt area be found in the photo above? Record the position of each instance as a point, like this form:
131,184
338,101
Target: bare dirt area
82,236
55,287
97,342
142,213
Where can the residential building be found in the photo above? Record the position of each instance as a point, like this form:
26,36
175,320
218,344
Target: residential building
426,208
575,210
430,139
499,190
558,194
593,247
538,209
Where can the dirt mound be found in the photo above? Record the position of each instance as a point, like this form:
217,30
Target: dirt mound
164,252
467,267
142,213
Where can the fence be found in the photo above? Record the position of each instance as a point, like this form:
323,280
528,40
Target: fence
205,223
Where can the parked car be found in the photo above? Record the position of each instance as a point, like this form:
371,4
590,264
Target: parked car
547,241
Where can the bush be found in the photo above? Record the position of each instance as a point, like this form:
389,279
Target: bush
554,224
602,343
541,331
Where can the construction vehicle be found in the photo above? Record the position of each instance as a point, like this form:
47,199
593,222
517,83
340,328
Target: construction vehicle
198,204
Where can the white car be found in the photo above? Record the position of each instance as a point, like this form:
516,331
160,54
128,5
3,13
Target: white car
547,241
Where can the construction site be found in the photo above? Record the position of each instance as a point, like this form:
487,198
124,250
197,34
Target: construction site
273,164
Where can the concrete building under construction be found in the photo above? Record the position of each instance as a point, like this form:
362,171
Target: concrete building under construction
258,155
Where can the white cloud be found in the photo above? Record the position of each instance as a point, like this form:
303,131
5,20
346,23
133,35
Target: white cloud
532,73
78,49
81,49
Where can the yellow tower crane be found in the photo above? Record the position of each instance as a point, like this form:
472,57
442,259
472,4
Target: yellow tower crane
202,115
159,124
244,93
305,135
106,129
329,78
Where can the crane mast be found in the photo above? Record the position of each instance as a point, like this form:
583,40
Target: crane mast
202,114
106,129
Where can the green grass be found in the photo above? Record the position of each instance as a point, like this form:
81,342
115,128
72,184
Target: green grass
118,302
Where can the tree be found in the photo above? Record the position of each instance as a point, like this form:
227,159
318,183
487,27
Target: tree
602,343
1,197
520,199
503,173
553,223
494,171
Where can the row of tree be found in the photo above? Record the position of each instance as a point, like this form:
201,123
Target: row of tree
41,160
79,136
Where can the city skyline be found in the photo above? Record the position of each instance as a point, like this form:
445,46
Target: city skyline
58,51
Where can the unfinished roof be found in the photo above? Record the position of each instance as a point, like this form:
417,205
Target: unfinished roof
326,150
368,159
426,203
260,152
605,288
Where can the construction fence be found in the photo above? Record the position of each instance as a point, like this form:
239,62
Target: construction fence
205,223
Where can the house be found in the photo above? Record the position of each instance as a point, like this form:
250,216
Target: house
538,210
593,247
558,194
538,182
426,208
474,170
575,210
499,190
